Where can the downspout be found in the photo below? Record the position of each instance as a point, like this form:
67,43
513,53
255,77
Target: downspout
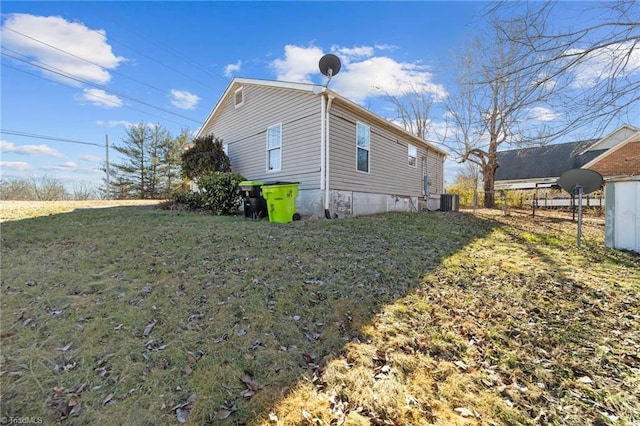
327,212
323,108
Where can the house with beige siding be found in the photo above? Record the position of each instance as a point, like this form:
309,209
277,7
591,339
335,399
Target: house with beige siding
348,160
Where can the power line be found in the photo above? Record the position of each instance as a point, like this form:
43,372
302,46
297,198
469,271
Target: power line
58,71
160,45
151,58
82,59
96,96
50,138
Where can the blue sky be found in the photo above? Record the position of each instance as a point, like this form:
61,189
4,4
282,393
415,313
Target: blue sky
169,62
179,57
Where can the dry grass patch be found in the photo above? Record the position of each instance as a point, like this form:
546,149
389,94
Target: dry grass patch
517,327
17,210
143,316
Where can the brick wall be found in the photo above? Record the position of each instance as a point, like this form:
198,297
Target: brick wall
623,162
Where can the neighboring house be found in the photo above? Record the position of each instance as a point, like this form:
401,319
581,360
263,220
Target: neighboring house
614,156
348,160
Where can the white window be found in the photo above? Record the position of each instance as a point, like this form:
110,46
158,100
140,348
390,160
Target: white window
412,152
225,149
362,147
239,97
274,147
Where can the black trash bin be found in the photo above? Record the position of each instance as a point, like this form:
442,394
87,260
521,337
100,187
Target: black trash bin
255,206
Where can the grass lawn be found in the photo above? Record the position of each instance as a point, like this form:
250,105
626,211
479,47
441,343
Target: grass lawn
135,315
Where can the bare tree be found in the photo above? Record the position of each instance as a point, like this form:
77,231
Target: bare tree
592,67
412,109
491,106
83,191
47,188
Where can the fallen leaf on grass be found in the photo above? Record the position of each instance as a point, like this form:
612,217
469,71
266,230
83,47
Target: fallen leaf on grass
187,370
461,365
148,328
181,415
222,414
64,348
104,359
252,384
107,399
182,410
309,418
464,412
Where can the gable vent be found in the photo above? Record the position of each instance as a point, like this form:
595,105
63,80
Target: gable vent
239,97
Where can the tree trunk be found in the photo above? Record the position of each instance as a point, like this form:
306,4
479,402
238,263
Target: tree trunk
489,194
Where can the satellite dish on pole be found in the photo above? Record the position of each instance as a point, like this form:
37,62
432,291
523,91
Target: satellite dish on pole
329,65
589,180
580,181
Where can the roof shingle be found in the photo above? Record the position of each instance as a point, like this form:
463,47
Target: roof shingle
545,161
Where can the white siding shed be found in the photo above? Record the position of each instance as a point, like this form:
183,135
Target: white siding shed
622,219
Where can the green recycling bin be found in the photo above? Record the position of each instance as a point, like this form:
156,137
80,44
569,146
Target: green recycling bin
281,200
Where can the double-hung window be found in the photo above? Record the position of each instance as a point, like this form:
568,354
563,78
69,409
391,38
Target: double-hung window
362,147
274,147
412,152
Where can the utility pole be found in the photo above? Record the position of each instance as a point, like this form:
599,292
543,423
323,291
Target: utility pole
106,145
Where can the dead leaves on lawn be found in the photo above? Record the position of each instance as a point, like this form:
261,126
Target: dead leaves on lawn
253,386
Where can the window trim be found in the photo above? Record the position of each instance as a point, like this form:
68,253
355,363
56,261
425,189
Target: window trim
279,147
235,97
414,157
368,149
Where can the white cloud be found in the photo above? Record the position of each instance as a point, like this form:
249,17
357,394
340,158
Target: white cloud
29,149
381,75
15,165
69,165
544,114
183,99
603,64
299,63
347,54
363,73
91,158
99,97
47,38
124,123
114,123
231,69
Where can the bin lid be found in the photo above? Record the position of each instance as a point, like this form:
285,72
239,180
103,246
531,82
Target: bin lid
251,183
276,183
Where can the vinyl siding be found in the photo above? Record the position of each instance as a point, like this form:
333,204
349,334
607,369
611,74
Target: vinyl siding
389,170
244,130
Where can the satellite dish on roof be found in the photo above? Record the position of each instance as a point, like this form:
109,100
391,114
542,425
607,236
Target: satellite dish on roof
589,180
329,65
580,181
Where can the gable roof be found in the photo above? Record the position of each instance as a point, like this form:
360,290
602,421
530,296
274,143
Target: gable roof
317,90
634,137
550,161
614,138
545,161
